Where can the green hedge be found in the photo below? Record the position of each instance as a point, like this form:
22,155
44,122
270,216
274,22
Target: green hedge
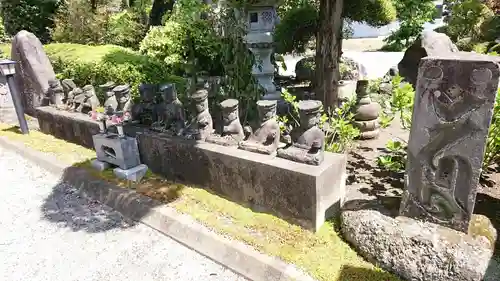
98,64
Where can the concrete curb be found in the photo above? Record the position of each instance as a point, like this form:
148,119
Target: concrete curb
234,255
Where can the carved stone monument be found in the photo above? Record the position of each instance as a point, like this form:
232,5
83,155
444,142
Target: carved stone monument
144,112
306,143
122,93
453,107
110,104
202,125
86,100
68,87
33,70
231,132
266,137
170,113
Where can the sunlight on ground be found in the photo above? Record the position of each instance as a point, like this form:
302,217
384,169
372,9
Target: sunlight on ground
323,255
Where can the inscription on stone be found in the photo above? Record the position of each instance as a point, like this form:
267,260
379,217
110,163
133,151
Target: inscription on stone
452,112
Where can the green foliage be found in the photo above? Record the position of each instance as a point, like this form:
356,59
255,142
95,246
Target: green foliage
375,13
412,15
76,22
467,19
126,29
395,158
3,35
112,64
34,16
187,41
492,151
337,124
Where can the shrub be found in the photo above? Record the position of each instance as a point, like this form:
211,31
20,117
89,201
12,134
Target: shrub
467,19
125,29
98,64
34,16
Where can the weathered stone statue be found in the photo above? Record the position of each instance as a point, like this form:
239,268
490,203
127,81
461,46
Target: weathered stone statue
202,125
68,86
122,93
145,111
33,69
110,104
453,107
366,112
55,94
85,99
232,131
171,116
265,138
306,143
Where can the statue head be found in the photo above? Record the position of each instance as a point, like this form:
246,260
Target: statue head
68,85
55,86
108,88
229,110
200,100
267,109
147,92
362,88
168,92
310,113
88,90
122,93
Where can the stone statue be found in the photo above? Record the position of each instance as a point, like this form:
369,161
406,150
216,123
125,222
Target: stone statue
265,138
145,111
366,112
202,125
122,93
85,99
306,143
68,86
454,100
55,94
110,104
232,131
171,117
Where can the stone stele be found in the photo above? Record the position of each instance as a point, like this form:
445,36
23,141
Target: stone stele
452,112
33,70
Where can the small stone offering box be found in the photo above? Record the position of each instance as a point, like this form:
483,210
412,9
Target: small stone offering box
299,193
119,151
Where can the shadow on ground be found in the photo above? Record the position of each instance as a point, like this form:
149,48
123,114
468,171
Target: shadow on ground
351,273
81,201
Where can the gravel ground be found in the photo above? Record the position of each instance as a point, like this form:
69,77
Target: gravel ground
49,232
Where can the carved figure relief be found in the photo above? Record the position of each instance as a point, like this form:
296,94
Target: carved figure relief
144,112
451,117
202,124
55,94
110,104
122,93
171,116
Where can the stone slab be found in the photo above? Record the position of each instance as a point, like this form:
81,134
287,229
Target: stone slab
234,255
452,112
134,174
300,193
99,165
74,127
119,151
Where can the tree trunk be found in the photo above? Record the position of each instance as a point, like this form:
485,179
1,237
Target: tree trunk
328,51
159,9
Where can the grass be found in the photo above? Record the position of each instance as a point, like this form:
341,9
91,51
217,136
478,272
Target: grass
323,255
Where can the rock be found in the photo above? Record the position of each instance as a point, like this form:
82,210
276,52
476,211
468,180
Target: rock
416,250
430,43
33,70
349,68
304,69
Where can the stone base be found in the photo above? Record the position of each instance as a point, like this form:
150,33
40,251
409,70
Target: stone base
74,127
99,165
133,174
417,250
119,151
300,193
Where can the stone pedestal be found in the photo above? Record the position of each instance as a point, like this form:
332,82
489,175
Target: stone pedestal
453,106
366,112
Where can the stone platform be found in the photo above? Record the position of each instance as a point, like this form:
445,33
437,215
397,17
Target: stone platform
74,127
302,194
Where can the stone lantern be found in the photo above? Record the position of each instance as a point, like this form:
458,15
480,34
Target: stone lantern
261,19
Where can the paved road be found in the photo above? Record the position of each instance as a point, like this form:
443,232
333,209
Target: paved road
49,232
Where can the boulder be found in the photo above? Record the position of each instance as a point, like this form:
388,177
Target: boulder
349,68
430,43
417,250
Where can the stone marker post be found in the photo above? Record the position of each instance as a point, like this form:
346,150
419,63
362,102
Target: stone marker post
453,107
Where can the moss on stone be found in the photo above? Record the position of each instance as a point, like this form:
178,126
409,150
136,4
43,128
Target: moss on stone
481,226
